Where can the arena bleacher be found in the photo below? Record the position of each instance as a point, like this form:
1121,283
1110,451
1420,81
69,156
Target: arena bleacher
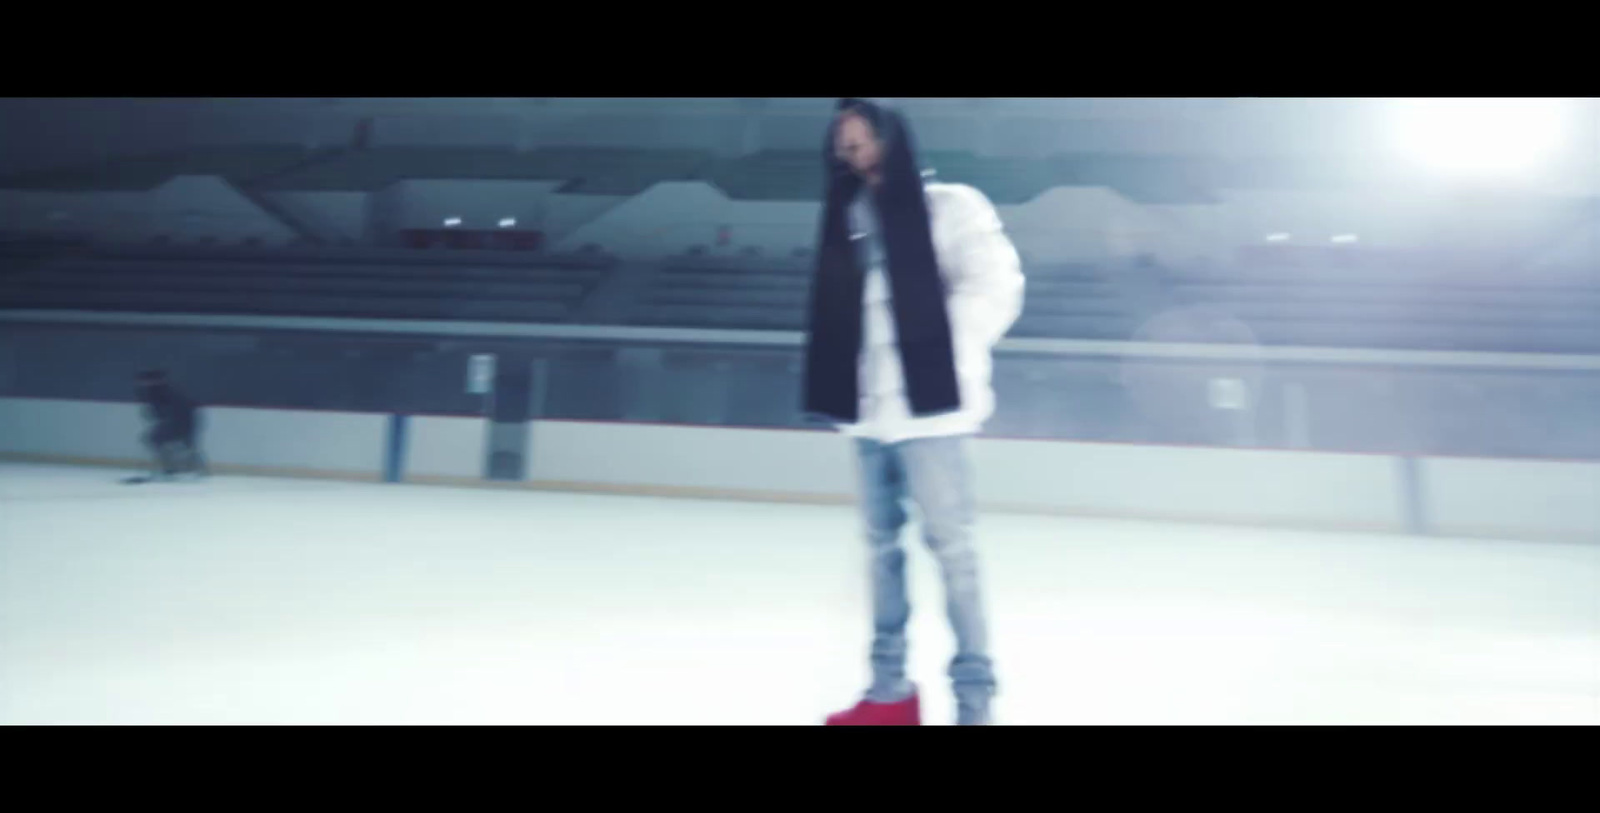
1066,302
477,286
725,249
240,164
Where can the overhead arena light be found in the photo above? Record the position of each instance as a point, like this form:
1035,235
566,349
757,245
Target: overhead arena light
1346,238
1478,137
452,222
1279,237
508,222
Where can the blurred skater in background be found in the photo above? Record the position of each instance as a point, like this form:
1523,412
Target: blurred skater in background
174,421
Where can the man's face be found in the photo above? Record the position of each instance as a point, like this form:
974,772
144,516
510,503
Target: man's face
857,145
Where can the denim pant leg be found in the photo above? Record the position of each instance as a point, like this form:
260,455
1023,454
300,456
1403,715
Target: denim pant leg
939,479
883,492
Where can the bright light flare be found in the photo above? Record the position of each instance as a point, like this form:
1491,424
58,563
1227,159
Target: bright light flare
1479,137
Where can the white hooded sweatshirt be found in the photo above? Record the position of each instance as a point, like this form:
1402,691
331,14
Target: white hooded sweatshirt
984,289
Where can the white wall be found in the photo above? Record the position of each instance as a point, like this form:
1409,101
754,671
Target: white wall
812,463
445,447
1512,497
334,442
329,442
1200,484
1191,483
85,429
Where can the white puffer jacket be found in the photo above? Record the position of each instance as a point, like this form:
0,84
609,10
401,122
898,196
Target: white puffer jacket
984,283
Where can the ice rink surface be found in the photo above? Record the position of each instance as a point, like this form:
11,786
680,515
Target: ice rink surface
258,601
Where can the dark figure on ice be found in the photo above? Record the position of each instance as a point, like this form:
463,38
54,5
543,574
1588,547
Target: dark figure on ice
173,436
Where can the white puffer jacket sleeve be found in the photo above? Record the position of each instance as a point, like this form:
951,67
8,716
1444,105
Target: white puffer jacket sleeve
983,274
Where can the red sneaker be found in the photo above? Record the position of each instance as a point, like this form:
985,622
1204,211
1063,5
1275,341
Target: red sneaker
907,712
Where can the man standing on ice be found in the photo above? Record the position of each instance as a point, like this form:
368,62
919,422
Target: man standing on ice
915,284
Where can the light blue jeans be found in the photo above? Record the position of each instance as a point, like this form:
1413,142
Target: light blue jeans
935,475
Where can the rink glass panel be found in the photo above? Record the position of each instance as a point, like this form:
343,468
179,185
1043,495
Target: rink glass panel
1331,407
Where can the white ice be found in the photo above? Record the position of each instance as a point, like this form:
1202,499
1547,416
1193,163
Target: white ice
258,601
